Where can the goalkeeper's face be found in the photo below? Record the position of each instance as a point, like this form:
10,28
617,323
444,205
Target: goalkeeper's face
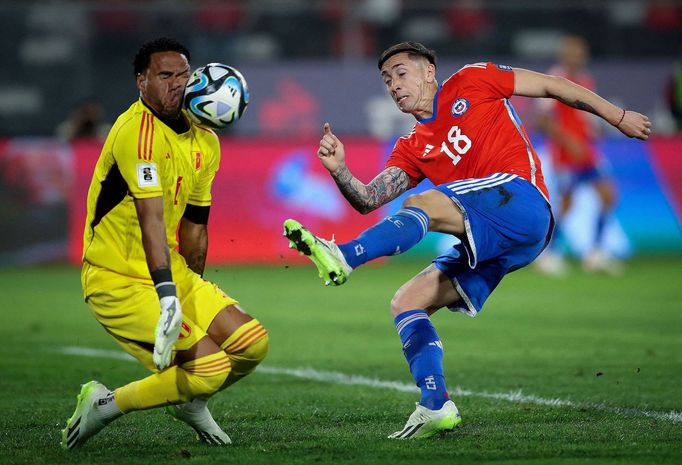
162,84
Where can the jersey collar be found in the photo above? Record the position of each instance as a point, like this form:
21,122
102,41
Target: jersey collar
178,125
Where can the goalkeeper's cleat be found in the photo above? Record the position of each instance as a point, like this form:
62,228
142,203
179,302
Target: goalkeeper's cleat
326,255
197,415
85,422
424,423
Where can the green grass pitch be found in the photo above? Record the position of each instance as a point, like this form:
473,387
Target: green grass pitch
607,350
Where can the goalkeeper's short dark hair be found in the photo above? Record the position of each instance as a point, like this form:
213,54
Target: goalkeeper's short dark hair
162,44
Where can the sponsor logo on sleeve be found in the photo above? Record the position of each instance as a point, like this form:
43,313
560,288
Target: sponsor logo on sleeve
147,175
459,107
504,67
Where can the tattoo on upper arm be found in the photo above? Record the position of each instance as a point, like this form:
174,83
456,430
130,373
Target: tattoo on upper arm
386,186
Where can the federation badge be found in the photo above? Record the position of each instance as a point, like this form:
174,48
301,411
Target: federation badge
459,107
146,175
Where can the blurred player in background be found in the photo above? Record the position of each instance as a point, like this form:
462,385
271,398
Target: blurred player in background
489,193
85,121
576,161
153,179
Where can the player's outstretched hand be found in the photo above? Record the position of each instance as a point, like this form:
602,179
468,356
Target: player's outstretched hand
635,125
331,152
167,331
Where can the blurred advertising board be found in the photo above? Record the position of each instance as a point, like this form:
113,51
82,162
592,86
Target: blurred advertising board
261,182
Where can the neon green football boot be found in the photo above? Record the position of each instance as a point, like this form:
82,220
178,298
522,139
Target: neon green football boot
424,423
326,255
85,422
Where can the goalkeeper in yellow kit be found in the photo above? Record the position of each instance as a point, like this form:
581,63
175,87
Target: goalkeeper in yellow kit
144,251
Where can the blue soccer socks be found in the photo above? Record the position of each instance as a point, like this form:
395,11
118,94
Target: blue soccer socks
391,236
424,353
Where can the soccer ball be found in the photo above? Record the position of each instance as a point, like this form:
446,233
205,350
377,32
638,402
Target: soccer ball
216,95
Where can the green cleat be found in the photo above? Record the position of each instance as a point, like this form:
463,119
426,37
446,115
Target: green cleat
326,255
85,423
424,423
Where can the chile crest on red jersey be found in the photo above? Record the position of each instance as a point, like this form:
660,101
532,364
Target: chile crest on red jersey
459,106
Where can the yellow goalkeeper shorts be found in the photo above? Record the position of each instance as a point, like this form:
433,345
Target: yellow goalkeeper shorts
129,312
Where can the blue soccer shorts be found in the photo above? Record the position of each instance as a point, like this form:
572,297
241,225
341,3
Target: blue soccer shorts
507,222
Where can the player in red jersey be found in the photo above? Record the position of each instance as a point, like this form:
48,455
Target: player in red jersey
576,160
489,193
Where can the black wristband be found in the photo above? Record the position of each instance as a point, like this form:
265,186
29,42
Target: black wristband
161,275
163,282
166,289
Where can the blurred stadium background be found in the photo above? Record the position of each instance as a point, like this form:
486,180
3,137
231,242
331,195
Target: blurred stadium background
308,62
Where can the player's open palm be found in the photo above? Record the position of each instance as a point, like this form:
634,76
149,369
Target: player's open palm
167,331
635,125
331,152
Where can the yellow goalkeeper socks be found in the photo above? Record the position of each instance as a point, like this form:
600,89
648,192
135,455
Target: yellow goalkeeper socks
246,348
197,378
200,378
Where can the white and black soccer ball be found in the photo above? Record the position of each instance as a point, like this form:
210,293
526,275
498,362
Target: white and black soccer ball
216,95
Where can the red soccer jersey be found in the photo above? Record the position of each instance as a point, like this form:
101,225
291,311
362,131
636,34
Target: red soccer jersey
575,123
474,132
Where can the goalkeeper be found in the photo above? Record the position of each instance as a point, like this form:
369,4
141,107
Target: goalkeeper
144,252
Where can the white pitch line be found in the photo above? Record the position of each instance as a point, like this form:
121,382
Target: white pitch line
357,380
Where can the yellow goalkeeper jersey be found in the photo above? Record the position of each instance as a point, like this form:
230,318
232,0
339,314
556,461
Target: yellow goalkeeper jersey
142,158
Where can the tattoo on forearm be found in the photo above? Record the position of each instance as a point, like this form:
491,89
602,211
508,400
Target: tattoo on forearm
389,184
580,105
584,106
